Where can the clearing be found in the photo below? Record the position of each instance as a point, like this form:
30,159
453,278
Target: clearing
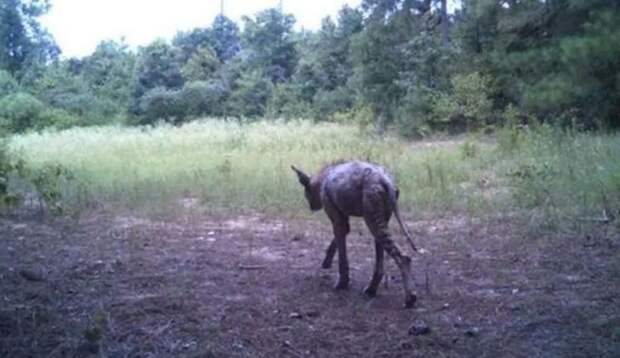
252,286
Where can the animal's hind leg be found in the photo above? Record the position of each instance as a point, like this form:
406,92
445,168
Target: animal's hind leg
376,215
377,275
329,254
404,264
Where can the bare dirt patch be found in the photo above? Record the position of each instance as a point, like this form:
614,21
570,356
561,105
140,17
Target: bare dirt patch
253,287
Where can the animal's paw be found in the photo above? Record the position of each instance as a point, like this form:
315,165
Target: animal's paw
410,300
342,285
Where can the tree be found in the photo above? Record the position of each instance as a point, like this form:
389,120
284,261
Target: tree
325,66
201,98
108,71
188,43
158,65
333,47
378,57
250,95
269,44
225,38
555,59
24,43
201,66
60,87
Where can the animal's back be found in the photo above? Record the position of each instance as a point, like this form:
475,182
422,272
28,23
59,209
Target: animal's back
343,184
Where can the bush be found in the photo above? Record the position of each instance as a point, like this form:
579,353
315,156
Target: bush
327,103
468,103
203,98
8,84
414,118
160,103
57,118
286,102
84,105
5,168
250,95
21,111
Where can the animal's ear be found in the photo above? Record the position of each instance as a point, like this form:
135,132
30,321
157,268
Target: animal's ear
304,179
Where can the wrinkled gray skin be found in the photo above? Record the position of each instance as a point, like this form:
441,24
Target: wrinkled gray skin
365,190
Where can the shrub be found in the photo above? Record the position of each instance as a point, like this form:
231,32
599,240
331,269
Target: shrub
203,98
468,103
250,95
8,84
327,103
84,104
57,118
414,117
48,181
5,168
286,102
160,103
20,111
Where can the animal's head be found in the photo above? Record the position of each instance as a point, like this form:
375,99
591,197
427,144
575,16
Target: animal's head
312,189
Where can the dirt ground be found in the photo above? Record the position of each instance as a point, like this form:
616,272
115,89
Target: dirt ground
121,286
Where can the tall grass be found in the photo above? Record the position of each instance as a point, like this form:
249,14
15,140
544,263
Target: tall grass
231,167
557,176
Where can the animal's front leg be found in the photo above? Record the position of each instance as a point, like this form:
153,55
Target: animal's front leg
329,254
341,229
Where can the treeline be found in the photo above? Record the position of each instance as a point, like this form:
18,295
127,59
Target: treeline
403,63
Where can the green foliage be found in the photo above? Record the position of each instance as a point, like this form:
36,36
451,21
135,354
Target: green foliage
327,102
158,66
161,104
24,44
231,166
555,59
470,148
269,44
225,37
108,72
557,175
250,95
8,84
414,113
408,62
6,167
188,43
468,103
201,66
398,57
62,86
286,102
49,182
57,118
203,98
21,111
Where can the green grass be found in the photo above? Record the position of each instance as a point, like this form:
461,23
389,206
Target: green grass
236,168
562,177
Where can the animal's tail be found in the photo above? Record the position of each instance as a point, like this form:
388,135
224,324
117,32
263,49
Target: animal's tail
393,194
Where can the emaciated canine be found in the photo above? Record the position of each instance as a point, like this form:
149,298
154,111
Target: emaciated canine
362,189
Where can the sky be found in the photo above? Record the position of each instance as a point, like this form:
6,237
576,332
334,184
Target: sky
79,25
